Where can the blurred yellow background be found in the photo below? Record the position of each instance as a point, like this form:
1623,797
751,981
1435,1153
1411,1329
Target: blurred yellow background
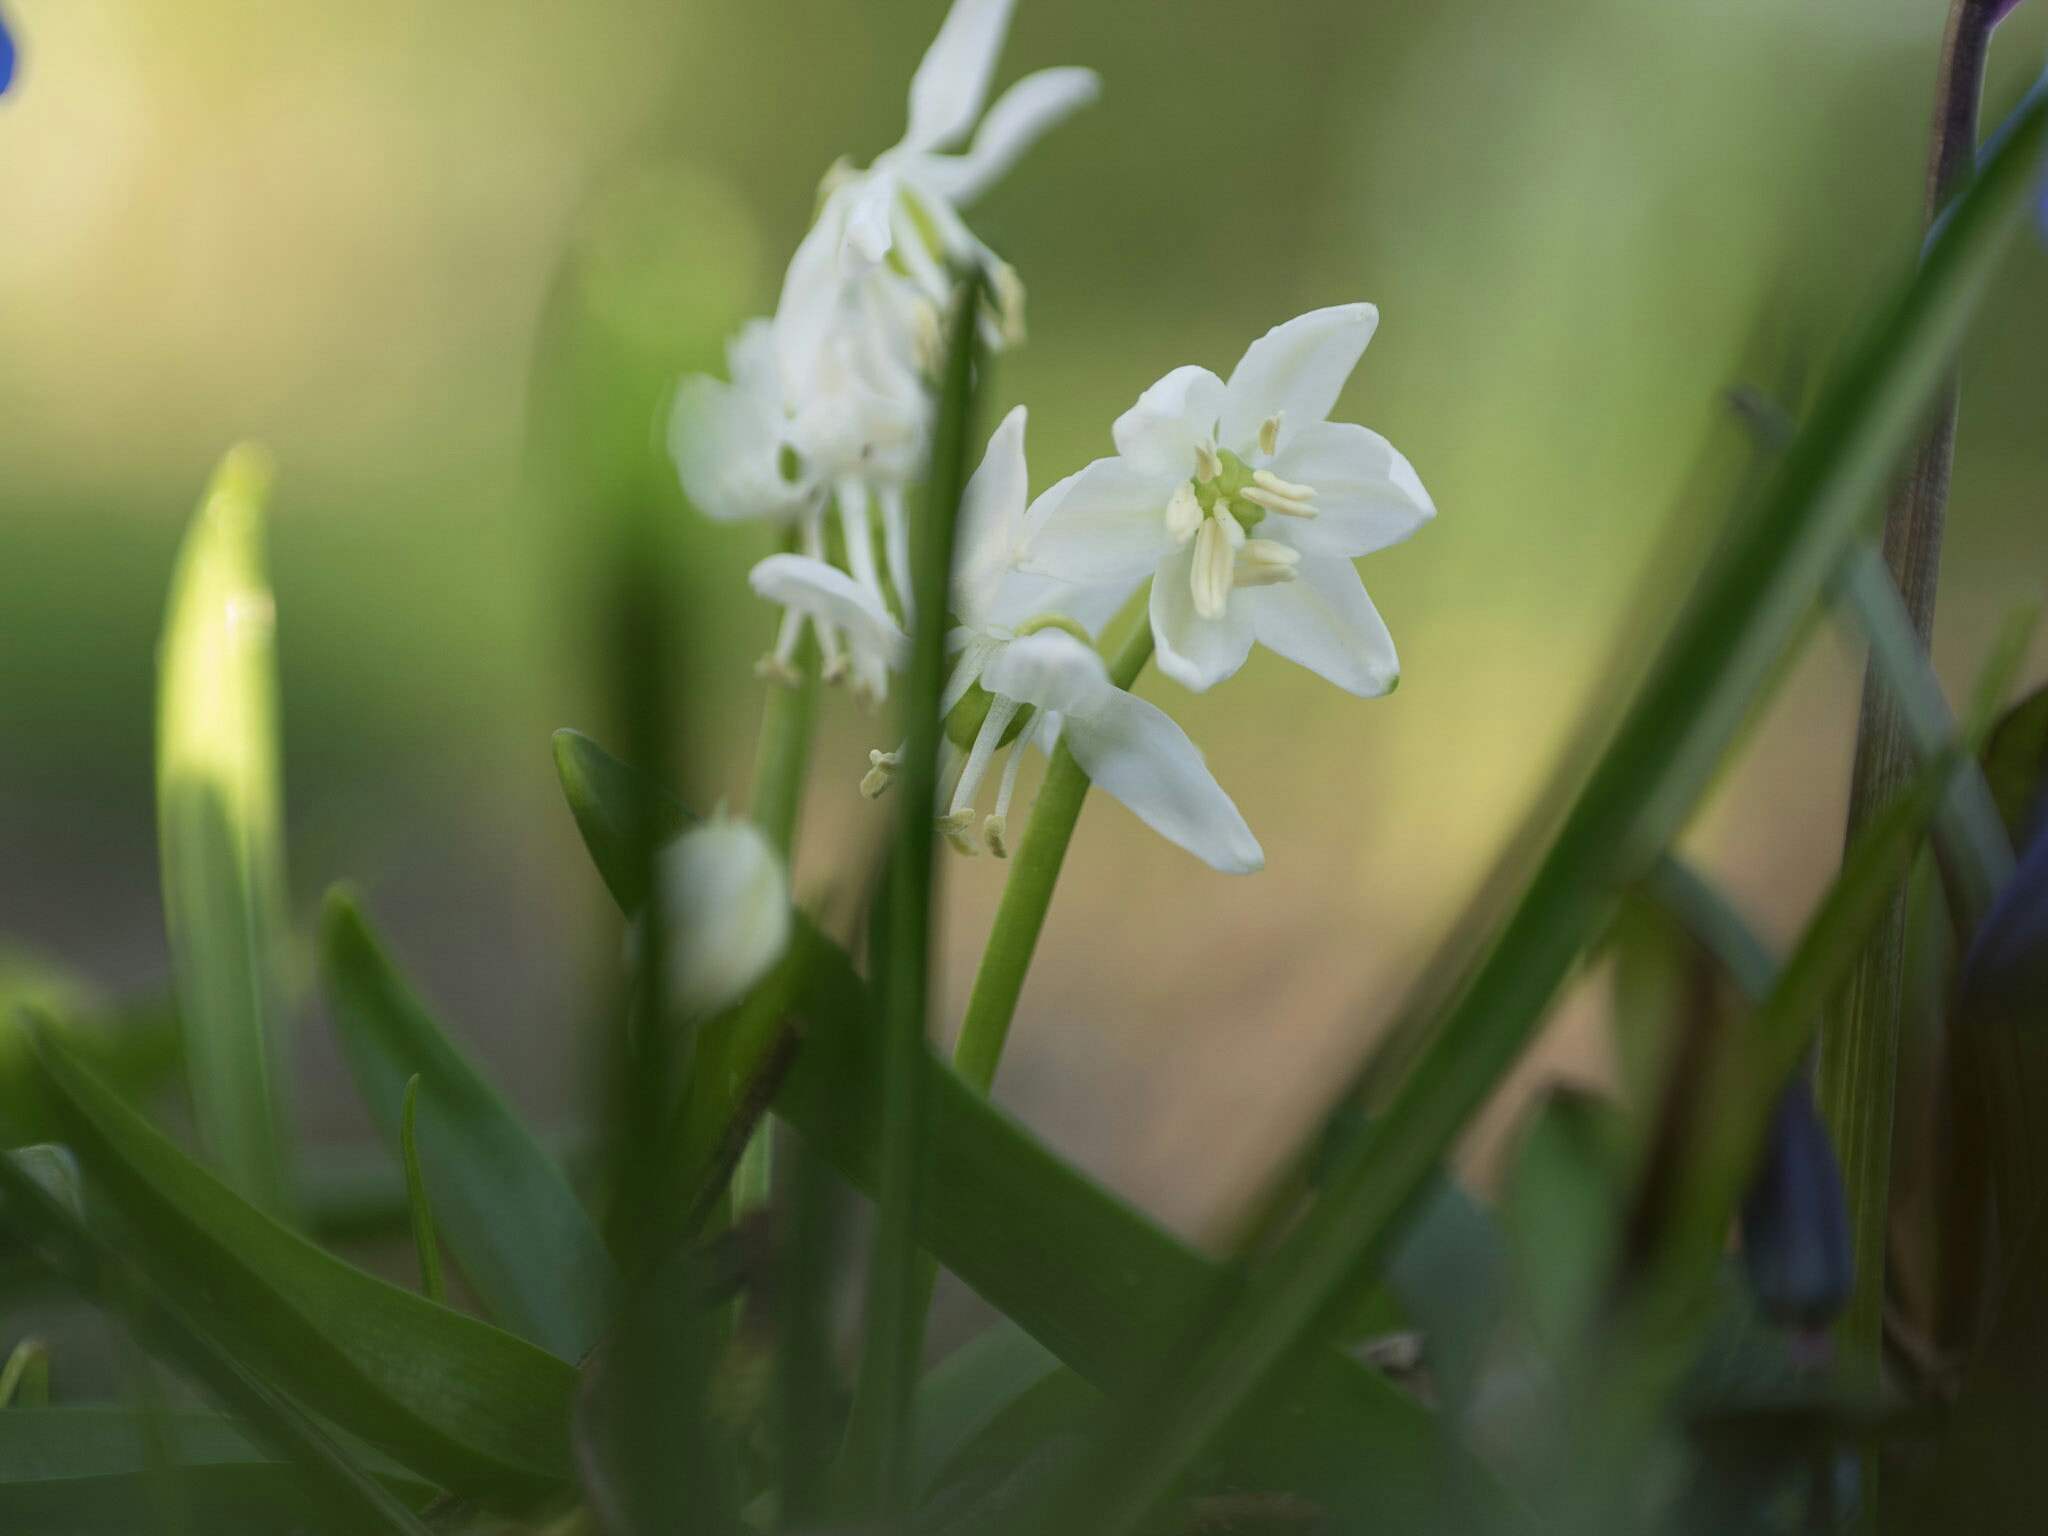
335,227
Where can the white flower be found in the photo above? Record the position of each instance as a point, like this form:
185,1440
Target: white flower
734,444
725,901
1249,507
857,638
1026,675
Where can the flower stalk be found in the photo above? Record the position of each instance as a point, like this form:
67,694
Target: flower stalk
1858,1063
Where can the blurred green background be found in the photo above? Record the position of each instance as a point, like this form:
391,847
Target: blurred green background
336,227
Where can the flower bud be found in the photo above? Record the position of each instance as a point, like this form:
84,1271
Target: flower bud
1795,1219
726,902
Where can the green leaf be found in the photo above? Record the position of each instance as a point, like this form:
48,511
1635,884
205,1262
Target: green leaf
2001,665
601,792
87,1469
1747,607
2015,758
425,1244
219,826
1074,1266
967,1392
477,1410
72,1248
523,1240
1563,1206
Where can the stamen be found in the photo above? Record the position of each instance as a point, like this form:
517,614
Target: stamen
1269,433
927,338
1207,465
881,772
1266,563
1009,295
860,540
896,549
954,825
1183,513
1272,501
779,665
1210,576
1001,712
1272,482
835,663
995,830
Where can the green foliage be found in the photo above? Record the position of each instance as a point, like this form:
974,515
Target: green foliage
524,1243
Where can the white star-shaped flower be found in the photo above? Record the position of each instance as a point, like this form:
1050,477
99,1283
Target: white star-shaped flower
1248,506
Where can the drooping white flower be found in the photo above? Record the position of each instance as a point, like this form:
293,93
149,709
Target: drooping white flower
1026,675
735,444
857,637
725,904
1249,506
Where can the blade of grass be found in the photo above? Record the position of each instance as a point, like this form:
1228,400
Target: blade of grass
894,1328
25,1383
516,1228
1749,602
424,1243
1702,911
219,826
356,1501
477,1410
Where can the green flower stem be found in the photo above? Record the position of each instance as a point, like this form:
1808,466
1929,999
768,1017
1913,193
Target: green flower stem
1858,1058
1028,893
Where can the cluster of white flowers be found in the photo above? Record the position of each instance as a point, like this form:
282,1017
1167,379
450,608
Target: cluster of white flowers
1241,500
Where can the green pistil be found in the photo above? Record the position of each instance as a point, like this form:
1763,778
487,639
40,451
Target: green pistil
1229,487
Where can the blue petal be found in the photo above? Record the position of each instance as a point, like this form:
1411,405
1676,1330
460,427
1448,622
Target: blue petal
1795,1219
6,57
2005,973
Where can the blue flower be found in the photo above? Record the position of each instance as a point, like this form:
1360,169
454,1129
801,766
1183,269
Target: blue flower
2005,972
1795,1219
6,57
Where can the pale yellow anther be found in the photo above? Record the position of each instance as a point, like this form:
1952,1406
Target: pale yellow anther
773,669
1273,501
954,825
1009,295
1265,479
1265,563
1183,513
881,773
1208,465
1269,434
993,832
835,669
1210,576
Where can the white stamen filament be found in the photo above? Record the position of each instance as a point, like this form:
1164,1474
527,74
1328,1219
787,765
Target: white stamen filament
835,663
1265,563
779,665
1211,573
860,540
1207,465
1269,434
1183,513
1001,712
995,830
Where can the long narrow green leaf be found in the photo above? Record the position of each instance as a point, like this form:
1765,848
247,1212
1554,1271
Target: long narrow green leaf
1747,607
525,1245
1078,1269
354,1501
86,1469
896,1289
477,1410
424,1241
219,826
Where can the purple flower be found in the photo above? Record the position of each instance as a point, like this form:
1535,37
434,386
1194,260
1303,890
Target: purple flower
1795,1219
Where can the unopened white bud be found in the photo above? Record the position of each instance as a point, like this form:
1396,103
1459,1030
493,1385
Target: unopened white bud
725,901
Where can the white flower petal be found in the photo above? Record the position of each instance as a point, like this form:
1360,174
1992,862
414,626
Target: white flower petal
1323,620
726,907
1103,524
1195,652
1159,434
1295,371
1026,595
1132,750
991,516
1367,494
1052,670
750,359
869,233
952,79
727,445
1021,116
826,592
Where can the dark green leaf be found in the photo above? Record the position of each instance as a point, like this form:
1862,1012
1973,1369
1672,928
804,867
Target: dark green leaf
2016,758
961,1396
475,1409
509,1216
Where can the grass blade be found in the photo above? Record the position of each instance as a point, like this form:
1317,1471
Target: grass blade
1746,608
895,1309
523,1240
424,1243
219,809
476,1410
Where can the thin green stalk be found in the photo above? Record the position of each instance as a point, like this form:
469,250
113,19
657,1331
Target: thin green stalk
1027,894
1859,1043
